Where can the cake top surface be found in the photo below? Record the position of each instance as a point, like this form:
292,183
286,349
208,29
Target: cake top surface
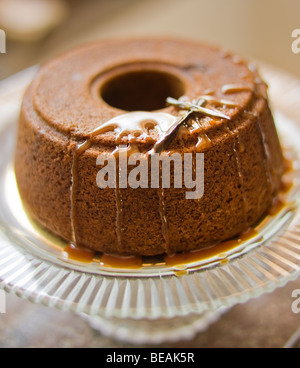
87,88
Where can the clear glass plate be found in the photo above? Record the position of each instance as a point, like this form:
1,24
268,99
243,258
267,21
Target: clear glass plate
33,266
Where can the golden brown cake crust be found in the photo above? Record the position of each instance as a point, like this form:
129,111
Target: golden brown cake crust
243,162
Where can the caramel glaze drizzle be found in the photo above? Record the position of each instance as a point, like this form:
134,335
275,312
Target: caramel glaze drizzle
267,155
235,88
139,124
163,216
133,125
237,152
179,260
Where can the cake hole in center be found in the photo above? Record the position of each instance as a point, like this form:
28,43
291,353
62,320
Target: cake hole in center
141,90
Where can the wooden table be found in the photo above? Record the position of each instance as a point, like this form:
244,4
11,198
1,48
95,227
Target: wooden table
266,322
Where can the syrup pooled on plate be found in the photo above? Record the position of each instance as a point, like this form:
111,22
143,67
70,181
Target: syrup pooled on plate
220,251
75,253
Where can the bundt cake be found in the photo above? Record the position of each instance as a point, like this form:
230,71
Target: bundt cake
153,97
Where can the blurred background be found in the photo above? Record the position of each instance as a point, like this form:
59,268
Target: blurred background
39,29
260,30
